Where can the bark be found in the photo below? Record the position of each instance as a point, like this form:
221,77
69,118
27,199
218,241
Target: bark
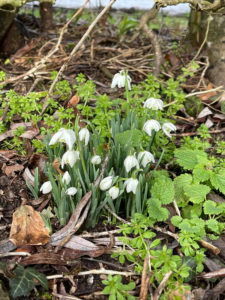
7,14
46,12
215,45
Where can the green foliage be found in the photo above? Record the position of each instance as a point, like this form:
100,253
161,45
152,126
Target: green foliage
116,289
25,280
188,159
130,138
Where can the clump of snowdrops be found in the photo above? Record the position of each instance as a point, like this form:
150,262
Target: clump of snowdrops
125,187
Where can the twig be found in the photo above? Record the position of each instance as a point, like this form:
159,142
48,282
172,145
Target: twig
115,215
97,234
145,279
75,49
160,288
14,254
199,4
210,247
65,297
176,207
204,92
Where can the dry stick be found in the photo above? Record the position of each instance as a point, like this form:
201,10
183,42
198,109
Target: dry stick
42,62
201,4
75,49
145,279
160,288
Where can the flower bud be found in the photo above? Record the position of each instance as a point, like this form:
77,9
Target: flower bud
46,187
66,178
106,183
96,160
84,135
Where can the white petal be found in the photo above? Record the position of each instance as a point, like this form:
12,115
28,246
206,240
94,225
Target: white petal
114,192
71,191
66,178
46,187
106,183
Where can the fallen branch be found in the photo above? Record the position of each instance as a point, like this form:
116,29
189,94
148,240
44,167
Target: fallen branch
160,288
197,4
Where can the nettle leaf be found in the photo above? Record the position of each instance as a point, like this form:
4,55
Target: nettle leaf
180,183
212,224
156,211
163,190
25,280
201,174
211,208
129,137
218,181
176,220
188,159
196,192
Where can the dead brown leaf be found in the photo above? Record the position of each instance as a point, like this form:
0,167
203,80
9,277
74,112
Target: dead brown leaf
210,94
28,228
73,101
10,170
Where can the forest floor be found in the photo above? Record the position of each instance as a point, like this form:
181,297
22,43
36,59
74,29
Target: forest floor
114,44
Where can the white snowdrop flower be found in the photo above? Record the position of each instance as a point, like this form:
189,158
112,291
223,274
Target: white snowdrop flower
70,157
168,127
46,187
71,191
114,192
65,136
119,80
131,185
151,125
66,178
96,160
145,157
84,135
154,104
106,183
131,162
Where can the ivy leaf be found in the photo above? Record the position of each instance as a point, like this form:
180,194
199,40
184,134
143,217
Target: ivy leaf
218,181
163,190
188,158
180,183
129,137
211,208
156,211
25,280
200,173
196,192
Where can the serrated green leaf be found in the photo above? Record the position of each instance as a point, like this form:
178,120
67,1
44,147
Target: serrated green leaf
211,208
176,220
163,190
201,174
129,137
188,158
218,181
196,192
156,211
179,184
212,224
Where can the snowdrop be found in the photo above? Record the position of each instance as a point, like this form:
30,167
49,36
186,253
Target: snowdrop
71,191
119,80
154,104
84,135
70,157
66,178
65,136
167,128
106,183
46,187
131,162
96,160
145,157
131,185
151,125
114,192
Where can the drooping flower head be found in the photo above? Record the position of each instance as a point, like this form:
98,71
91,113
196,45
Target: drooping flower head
64,136
151,125
106,183
145,157
70,157
66,178
168,127
119,80
96,160
84,135
46,187
131,185
71,191
114,192
131,162
154,104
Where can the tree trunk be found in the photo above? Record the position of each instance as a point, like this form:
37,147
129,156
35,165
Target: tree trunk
46,12
7,14
215,41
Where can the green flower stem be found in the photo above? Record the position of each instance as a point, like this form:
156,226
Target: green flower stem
160,159
126,87
152,140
